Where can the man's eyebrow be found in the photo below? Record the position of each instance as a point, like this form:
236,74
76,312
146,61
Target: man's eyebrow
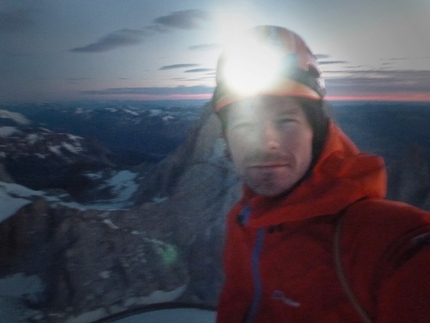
288,112
241,112
239,118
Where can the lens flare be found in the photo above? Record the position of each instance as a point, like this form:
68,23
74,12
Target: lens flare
253,70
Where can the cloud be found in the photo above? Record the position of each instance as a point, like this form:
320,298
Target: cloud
204,47
187,19
156,28
394,81
78,79
322,56
175,66
331,62
15,21
397,59
348,83
119,38
197,70
197,89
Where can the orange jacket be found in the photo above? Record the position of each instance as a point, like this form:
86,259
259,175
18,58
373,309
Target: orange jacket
279,259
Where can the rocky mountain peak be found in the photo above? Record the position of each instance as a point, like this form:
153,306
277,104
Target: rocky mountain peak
91,263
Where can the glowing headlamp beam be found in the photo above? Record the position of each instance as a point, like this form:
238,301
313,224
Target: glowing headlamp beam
252,68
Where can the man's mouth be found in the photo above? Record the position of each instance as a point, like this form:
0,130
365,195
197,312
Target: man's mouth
266,160
267,164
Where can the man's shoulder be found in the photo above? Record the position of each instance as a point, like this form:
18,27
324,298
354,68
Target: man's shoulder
384,222
386,212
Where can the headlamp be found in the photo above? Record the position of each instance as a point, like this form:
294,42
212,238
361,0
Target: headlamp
267,60
253,70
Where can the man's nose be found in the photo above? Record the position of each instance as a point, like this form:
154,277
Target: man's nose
268,136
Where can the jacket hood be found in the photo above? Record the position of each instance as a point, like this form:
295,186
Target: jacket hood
341,176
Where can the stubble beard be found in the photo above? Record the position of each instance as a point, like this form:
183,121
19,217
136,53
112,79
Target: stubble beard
271,180
262,184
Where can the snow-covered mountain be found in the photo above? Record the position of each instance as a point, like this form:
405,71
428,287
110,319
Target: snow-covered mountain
134,131
83,147
40,146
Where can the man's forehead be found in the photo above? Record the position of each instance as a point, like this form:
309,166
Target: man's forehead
273,105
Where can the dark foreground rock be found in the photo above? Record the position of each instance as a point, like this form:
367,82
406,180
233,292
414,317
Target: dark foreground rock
86,265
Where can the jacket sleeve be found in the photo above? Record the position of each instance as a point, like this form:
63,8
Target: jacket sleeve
387,255
404,290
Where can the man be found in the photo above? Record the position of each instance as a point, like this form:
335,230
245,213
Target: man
311,239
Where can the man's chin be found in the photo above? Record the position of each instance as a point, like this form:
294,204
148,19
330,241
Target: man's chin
268,188
271,181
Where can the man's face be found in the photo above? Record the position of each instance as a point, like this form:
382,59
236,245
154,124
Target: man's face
270,143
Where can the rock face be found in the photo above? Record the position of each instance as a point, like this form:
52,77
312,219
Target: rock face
197,187
91,263
88,265
4,175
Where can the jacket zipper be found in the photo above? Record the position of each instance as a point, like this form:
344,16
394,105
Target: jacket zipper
255,265
258,286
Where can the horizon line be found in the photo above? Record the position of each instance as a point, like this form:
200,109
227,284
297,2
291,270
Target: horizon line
385,97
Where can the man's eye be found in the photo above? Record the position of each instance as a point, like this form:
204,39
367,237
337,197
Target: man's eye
285,121
243,126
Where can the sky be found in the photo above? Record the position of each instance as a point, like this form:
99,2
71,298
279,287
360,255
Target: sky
61,50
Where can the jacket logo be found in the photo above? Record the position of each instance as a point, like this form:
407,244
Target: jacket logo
278,295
